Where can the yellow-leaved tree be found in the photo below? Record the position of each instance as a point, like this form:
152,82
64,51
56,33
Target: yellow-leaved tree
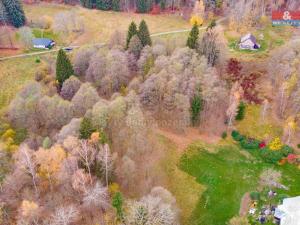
290,127
8,141
28,213
196,20
28,207
276,144
95,137
49,161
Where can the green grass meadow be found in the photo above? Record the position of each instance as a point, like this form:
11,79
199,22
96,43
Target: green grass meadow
228,174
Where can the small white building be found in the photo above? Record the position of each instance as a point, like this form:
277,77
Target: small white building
249,42
289,212
43,43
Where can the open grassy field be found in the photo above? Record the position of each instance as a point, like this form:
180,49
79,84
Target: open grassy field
228,174
268,37
253,126
99,25
187,192
13,75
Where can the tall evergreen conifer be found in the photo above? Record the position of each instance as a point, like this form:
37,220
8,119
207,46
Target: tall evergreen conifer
142,6
64,67
132,30
15,12
116,5
144,34
3,14
104,4
87,3
86,128
193,37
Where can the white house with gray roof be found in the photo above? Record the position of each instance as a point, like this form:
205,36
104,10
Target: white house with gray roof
43,43
249,42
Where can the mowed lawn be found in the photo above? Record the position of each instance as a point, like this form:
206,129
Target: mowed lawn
99,25
228,175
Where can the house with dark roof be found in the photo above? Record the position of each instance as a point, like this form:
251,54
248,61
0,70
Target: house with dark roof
43,43
249,42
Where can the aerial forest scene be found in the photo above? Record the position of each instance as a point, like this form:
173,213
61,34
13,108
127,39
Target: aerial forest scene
149,112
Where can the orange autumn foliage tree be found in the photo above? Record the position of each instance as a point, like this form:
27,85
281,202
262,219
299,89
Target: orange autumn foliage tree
49,161
28,212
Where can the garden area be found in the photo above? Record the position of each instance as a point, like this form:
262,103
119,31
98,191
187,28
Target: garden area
229,173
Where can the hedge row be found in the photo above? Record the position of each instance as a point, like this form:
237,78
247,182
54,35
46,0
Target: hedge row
259,148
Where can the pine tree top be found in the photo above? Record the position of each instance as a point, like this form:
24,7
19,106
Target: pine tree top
15,12
132,27
64,67
193,37
132,30
144,34
195,29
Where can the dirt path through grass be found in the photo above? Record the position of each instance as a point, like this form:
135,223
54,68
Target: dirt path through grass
245,201
183,140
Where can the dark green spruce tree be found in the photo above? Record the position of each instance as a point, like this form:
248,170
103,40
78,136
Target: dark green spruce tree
15,12
116,5
86,128
117,203
144,34
104,4
142,6
193,37
132,30
3,14
64,67
196,107
87,3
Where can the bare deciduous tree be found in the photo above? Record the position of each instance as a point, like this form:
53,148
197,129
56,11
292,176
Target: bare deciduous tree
26,36
82,60
80,181
65,215
70,87
97,196
105,158
27,162
84,99
155,208
87,153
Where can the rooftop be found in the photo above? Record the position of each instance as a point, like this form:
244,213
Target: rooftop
247,37
42,41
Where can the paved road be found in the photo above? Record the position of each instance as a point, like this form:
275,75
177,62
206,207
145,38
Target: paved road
99,44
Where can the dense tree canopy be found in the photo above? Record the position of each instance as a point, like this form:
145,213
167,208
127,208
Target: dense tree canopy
15,13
